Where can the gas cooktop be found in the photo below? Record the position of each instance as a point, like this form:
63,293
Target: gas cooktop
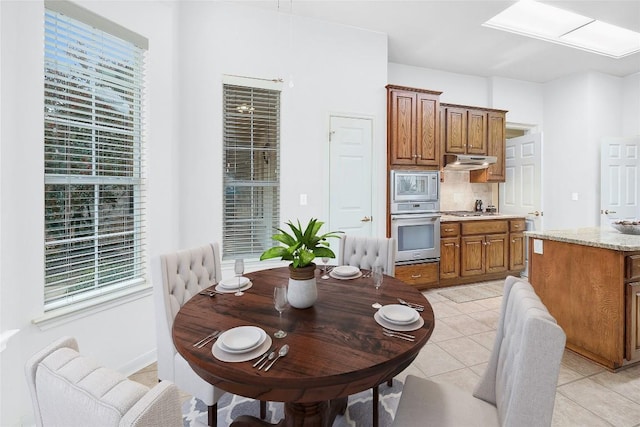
467,213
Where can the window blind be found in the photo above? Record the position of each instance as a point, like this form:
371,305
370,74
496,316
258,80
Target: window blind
251,162
94,188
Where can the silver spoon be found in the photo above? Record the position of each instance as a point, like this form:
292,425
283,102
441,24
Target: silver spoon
270,357
283,352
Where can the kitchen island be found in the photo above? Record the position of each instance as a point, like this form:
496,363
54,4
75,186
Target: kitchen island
589,279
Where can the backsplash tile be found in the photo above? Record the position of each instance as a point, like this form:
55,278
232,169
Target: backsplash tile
458,194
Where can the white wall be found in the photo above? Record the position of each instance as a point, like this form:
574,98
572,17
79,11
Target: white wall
122,337
578,111
631,105
335,69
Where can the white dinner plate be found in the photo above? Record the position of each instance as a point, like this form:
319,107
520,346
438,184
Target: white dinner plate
345,271
400,328
225,356
399,314
232,282
335,276
241,339
224,290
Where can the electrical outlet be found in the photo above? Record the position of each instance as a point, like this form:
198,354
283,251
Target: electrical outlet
303,200
574,196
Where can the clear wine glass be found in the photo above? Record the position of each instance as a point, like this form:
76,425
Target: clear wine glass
378,276
280,302
325,260
239,269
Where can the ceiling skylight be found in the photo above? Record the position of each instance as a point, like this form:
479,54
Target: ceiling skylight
541,21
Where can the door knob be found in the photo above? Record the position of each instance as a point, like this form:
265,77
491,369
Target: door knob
535,213
367,219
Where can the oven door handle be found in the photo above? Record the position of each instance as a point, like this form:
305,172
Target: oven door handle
419,217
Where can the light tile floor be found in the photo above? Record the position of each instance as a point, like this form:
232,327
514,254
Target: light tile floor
459,348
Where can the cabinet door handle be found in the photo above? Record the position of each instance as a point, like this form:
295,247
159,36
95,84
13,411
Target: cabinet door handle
366,219
513,241
416,276
457,245
607,212
448,230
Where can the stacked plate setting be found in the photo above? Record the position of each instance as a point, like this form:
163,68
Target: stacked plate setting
399,318
241,344
345,272
231,284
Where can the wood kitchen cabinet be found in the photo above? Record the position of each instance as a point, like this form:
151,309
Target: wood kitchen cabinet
484,247
475,250
465,129
632,276
421,276
496,144
413,127
593,293
516,244
449,250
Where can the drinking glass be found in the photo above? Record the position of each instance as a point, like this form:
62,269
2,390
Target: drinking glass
376,274
325,260
239,269
280,302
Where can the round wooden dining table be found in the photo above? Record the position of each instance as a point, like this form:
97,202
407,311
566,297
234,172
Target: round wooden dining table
336,347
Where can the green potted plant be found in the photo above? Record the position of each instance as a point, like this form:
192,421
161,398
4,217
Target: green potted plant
301,247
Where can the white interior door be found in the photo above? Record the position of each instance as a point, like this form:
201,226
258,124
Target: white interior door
619,175
521,193
350,188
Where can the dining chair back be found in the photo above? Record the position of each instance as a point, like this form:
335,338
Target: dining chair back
69,389
177,278
365,252
518,387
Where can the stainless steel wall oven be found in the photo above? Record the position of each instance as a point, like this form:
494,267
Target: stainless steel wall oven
415,217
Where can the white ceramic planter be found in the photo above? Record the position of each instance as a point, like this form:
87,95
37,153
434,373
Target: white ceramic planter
302,293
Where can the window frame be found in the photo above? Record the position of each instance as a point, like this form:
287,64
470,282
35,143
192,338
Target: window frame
108,169
260,235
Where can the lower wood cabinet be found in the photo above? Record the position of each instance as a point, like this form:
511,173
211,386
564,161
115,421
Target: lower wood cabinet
516,251
475,250
449,257
632,346
421,276
484,254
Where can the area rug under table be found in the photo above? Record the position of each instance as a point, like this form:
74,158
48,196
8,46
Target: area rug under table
474,292
358,414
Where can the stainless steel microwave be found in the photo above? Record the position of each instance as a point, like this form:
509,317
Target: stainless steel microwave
414,191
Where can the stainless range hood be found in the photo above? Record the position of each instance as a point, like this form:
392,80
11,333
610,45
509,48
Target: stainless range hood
467,162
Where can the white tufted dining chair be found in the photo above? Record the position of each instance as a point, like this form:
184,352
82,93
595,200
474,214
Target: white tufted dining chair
519,385
365,252
71,390
177,277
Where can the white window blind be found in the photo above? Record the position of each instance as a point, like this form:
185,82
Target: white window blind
251,159
94,196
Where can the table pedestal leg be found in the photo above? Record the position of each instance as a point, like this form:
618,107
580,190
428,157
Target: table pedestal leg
318,414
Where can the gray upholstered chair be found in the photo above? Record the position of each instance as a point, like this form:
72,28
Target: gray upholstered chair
68,390
519,386
177,277
365,252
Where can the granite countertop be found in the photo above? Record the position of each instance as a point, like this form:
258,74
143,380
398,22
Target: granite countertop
599,237
454,218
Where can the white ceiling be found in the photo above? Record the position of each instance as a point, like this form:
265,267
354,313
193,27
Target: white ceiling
447,35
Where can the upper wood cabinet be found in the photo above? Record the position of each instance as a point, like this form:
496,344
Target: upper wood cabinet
496,144
465,129
413,128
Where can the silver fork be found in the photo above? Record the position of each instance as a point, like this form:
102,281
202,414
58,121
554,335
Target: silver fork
206,339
